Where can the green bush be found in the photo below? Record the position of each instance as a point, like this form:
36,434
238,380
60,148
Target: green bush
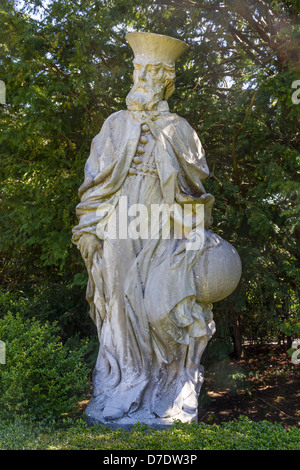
50,302
242,434
42,378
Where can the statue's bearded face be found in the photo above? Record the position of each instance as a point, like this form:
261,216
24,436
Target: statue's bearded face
150,81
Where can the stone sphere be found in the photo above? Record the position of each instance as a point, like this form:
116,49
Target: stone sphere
217,272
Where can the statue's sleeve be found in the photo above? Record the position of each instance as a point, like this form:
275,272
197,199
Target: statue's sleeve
96,167
192,156
96,171
193,169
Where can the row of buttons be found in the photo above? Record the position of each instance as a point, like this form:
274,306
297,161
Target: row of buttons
137,160
143,139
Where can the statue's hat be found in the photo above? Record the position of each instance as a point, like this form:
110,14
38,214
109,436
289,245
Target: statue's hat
156,47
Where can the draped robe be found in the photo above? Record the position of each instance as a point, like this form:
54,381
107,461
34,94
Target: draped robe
142,293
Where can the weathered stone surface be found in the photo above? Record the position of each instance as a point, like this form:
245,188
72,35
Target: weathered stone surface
155,267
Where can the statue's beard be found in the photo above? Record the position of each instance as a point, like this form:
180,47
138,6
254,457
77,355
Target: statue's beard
141,98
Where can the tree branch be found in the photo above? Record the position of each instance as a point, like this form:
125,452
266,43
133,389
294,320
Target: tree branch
55,67
235,137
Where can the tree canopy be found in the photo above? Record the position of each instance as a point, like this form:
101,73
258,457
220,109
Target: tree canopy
67,66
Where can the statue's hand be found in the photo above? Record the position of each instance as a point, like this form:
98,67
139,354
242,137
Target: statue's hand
88,244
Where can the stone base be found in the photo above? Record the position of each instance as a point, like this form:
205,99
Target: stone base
142,416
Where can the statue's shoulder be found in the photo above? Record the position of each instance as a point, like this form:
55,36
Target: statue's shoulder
179,119
117,116
180,123
115,122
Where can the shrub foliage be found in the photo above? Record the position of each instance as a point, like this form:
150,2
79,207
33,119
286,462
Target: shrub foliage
42,378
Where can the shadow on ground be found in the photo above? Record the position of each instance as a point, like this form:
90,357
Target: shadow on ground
263,385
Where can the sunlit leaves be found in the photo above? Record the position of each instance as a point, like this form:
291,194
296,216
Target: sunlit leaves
67,67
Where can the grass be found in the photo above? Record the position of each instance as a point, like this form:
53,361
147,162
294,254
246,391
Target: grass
74,434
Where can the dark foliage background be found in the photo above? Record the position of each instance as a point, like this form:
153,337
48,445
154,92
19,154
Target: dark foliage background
67,67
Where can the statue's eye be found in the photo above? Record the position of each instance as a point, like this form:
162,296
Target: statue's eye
153,69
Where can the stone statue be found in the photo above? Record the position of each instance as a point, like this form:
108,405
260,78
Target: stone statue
154,265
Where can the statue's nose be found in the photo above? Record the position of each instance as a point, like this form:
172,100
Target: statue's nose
142,73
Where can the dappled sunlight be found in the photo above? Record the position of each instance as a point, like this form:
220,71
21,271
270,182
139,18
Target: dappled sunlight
264,393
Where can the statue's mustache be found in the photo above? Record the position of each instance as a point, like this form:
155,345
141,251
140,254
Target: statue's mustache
141,86
142,97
